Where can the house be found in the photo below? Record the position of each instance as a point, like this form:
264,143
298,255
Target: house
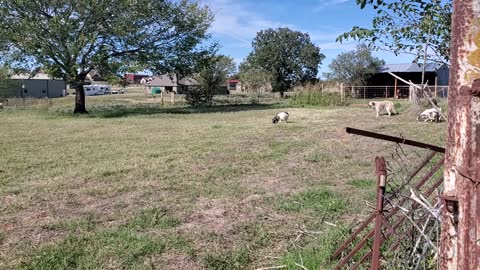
383,84
94,76
135,78
232,85
40,85
171,83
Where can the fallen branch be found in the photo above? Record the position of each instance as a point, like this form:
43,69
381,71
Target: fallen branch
301,266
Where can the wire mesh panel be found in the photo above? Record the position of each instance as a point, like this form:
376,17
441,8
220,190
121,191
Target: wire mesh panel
409,212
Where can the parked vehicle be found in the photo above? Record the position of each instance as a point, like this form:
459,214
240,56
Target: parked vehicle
94,90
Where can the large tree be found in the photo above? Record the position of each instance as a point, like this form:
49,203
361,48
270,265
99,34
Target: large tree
288,56
69,38
354,67
410,27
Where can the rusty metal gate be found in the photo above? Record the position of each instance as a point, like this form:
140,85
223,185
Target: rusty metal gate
397,218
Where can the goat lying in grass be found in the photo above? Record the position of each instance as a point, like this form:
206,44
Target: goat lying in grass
281,116
429,115
383,105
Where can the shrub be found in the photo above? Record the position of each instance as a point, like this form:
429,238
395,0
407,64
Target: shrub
315,98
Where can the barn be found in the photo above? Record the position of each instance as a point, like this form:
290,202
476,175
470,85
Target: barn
434,74
383,84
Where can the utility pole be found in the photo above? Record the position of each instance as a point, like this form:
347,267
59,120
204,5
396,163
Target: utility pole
460,238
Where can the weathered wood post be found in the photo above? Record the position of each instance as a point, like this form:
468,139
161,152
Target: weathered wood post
172,97
395,90
460,245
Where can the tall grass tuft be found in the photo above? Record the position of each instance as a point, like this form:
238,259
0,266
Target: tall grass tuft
313,95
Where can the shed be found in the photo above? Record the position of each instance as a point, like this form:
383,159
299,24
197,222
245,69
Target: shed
434,73
38,86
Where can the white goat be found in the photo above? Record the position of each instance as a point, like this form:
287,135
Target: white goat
281,116
429,115
383,105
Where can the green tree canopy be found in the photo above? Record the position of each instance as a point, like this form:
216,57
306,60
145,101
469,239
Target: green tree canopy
287,56
354,67
409,27
69,38
254,79
211,77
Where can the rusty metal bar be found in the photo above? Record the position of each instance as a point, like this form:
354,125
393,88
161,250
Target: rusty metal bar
364,240
394,139
372,216
419,168
353,235
354,251
362,260
381,172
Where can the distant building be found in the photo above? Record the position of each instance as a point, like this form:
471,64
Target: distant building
383,84
434,73
94,76
232,84
171,83
38,86
134,78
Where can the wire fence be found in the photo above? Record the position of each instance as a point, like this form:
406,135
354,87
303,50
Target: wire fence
386,91
26,103
402,231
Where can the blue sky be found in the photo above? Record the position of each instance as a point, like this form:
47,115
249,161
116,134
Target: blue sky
237,22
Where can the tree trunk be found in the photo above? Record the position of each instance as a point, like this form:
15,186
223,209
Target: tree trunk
79,99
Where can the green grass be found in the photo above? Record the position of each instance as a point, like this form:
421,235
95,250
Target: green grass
317,202
104,249
138,185
227,260
153,218
316,254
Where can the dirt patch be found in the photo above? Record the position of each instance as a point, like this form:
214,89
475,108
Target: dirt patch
220,216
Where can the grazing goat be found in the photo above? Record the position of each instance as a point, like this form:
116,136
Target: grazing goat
429,115
281,116
381,105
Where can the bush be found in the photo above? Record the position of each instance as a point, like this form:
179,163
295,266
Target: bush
196,97
315,98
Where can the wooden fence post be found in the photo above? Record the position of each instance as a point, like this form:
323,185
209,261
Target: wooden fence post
395,89
460,245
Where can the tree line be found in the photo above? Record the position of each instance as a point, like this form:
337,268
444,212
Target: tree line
69,38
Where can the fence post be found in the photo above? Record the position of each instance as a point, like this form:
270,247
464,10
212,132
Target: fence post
172,98
342,93
381,172
395,93
364,88
459,244
386,91
436,87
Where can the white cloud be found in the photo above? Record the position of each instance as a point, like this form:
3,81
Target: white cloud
335,46
237,21
328,3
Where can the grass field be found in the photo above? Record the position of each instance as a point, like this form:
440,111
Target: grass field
137,185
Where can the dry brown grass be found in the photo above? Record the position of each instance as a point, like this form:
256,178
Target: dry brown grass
224,181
